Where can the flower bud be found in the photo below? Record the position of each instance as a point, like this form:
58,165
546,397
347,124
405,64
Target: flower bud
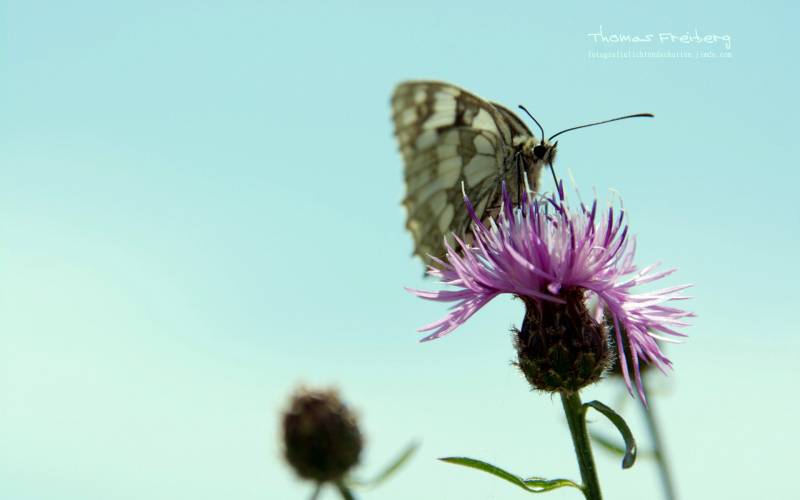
560,347
321,437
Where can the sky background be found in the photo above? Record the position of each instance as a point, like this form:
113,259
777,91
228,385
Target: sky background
200,210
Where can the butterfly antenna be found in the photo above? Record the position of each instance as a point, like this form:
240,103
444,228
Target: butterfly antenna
639,115
534,119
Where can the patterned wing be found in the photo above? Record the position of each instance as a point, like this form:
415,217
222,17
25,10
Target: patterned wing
448,136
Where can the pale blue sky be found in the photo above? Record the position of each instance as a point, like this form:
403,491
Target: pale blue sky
199,209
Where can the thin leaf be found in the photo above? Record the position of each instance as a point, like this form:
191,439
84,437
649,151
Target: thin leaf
542,484
390,469
629,456
532,484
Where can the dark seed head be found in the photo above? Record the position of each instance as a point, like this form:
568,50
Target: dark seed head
321,437
560,347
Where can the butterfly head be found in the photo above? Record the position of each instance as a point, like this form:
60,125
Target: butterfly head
544,152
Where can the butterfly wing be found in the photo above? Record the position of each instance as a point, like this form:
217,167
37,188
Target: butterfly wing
447,137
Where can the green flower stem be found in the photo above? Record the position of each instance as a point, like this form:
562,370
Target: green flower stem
316,491
345,491
658,449
576,418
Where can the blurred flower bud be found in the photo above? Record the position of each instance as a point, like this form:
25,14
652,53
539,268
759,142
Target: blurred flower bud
321,437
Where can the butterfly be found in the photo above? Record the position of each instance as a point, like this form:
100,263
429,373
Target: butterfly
449,137
455,143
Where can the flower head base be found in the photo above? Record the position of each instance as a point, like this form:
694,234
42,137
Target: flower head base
560,346
543,253
321,436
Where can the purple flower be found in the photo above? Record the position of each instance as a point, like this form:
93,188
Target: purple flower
539,251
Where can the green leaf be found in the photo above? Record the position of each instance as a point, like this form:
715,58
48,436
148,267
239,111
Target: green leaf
541,484
629,456
390,469
531,484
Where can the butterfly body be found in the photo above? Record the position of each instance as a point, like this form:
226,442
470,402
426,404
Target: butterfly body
451,138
